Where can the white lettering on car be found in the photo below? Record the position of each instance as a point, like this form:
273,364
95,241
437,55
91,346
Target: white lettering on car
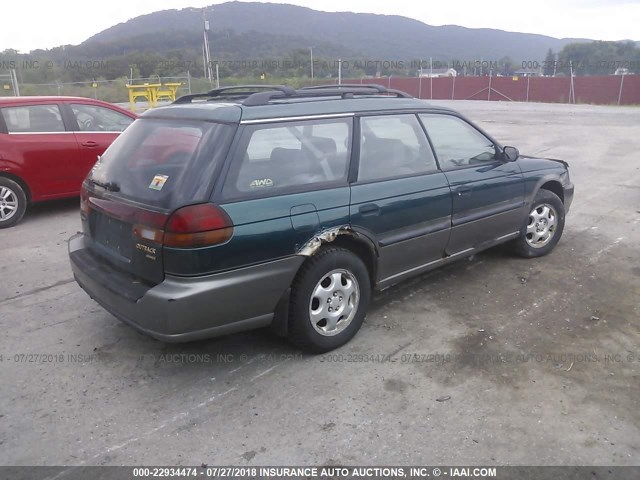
265,182
150,251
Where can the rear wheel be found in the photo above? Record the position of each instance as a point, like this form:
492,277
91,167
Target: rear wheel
543,226
13,202
329,300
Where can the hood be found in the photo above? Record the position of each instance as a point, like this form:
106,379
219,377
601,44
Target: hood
566,164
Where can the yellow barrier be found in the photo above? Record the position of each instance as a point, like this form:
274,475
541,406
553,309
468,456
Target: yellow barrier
168,91
152,92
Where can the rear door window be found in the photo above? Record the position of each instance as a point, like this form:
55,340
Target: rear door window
277,157
33,119
393,146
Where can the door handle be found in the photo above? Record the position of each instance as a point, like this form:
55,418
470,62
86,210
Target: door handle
463,191
90,144
369,209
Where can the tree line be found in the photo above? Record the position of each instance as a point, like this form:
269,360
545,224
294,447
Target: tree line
260,56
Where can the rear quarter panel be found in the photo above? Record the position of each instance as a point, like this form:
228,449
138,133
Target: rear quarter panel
265,229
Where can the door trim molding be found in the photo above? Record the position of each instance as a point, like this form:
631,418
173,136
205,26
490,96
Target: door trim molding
388,281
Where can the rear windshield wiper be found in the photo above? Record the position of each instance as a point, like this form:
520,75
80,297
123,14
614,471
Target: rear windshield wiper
110,186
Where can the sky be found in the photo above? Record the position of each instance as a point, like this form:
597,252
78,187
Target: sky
63,22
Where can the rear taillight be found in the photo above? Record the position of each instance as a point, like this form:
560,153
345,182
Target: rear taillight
198,226
188,227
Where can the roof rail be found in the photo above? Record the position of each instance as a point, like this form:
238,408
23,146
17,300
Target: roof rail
236,91
343,91
254,95
375,86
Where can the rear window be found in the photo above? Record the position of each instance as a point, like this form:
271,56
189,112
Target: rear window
33,119
164,163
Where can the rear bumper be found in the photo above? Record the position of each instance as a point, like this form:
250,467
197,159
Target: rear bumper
183,309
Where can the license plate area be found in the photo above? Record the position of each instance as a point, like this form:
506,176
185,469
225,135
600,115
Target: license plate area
113,235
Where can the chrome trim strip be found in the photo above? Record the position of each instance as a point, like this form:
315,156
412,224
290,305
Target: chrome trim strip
66,131
303,117
40,133
412,270
433,262
101,131
460,252
512,234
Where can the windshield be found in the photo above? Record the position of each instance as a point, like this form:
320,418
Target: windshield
163,163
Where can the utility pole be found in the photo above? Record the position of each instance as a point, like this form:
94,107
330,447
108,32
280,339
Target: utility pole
572,92
14,82
339,71
207,54
420,81
620,91
311,51
431,75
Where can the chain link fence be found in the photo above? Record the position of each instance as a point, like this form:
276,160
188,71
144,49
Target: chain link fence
113,91
596,90
611,89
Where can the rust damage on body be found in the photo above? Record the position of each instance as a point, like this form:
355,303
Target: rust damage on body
327,236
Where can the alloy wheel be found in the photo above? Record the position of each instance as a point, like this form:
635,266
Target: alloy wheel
334,302
8,203
541,228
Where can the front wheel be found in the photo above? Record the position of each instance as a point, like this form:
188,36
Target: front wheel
329,300
13,202
543,226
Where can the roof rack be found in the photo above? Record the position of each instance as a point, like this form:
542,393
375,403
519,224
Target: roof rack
375,86
255,95
234,92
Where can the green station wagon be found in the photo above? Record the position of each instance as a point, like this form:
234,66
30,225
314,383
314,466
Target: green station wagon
264,205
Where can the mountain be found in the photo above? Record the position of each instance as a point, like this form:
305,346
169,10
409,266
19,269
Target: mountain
375,37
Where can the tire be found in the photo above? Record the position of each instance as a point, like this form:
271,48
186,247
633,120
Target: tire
13,202
335,279
543,226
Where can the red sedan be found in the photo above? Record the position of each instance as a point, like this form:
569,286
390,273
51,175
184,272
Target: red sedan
48,145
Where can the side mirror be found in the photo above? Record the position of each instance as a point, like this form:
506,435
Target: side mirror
511,154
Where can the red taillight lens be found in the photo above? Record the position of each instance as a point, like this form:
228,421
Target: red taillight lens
84,202
198,226
198,218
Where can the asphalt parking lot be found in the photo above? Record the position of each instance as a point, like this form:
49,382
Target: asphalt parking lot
494,360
